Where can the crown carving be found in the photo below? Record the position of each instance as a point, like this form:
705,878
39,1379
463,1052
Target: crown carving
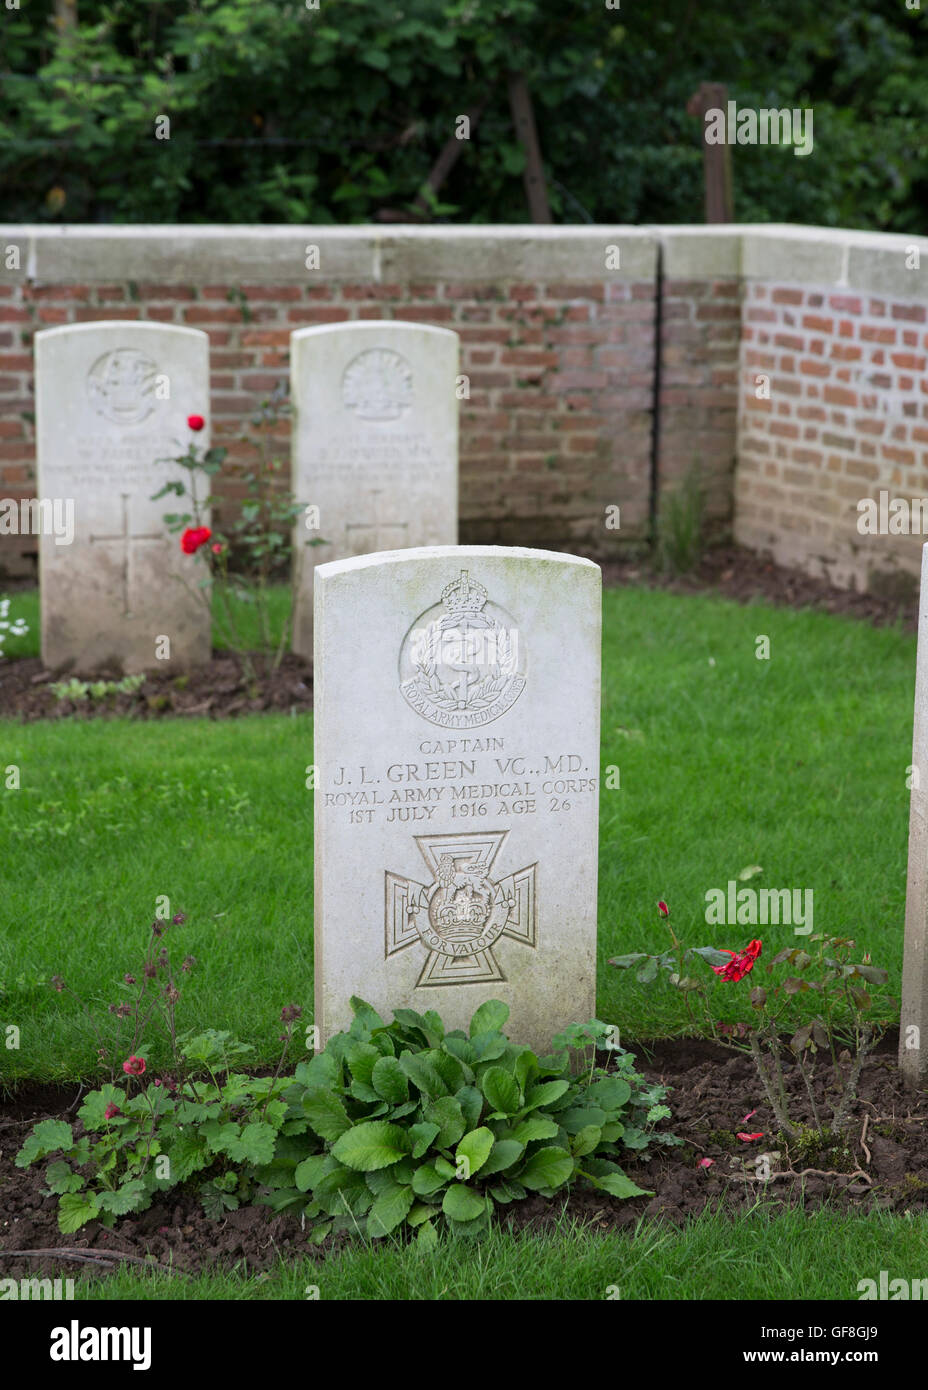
464,595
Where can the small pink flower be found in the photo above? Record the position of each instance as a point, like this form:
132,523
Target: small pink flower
218,548
706,1162
135,1066
111,1111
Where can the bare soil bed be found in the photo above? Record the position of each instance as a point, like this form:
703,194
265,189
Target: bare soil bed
216,691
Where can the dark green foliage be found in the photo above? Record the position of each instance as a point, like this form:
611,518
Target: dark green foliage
405,1123
280,113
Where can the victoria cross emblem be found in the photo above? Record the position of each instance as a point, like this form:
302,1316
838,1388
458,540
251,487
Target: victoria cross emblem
463,911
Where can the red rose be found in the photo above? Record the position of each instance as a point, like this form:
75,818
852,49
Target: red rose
195,422
193,538
134,1067
741,963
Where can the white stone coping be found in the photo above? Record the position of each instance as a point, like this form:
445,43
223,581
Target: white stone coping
784,253
453,552
255,255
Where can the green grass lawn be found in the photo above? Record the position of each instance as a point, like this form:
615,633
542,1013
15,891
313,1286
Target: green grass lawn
759,1256
797,764
25,605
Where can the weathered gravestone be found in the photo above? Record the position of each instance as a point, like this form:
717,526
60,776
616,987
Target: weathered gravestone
111,399
375,444
457,785
913,1030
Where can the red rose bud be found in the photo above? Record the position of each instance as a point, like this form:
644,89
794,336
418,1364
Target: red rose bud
193,538
217,549
135,1066
663,909
195,422
111,1112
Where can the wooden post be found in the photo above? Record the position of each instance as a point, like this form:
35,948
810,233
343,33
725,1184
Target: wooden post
65,15
913,1021
449,156
523,118
716,158
450,153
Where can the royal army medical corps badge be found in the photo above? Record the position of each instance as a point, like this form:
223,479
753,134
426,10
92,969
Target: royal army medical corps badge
462,663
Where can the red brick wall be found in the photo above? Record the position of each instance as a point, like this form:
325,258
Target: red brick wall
701,335
558,424
559,350
847,415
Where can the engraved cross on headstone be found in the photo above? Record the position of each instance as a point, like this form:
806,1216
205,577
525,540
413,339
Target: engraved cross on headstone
128,539
385,535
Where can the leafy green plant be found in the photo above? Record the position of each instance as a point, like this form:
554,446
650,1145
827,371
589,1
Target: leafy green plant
679,530
407,1126
141,1138
76,691
205,1134
391,1126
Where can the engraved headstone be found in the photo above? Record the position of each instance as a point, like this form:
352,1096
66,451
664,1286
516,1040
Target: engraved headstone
457,698
111,399
375,444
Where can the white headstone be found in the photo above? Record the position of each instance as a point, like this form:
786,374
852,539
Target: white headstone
375,444
913,1029
457,694
111,399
